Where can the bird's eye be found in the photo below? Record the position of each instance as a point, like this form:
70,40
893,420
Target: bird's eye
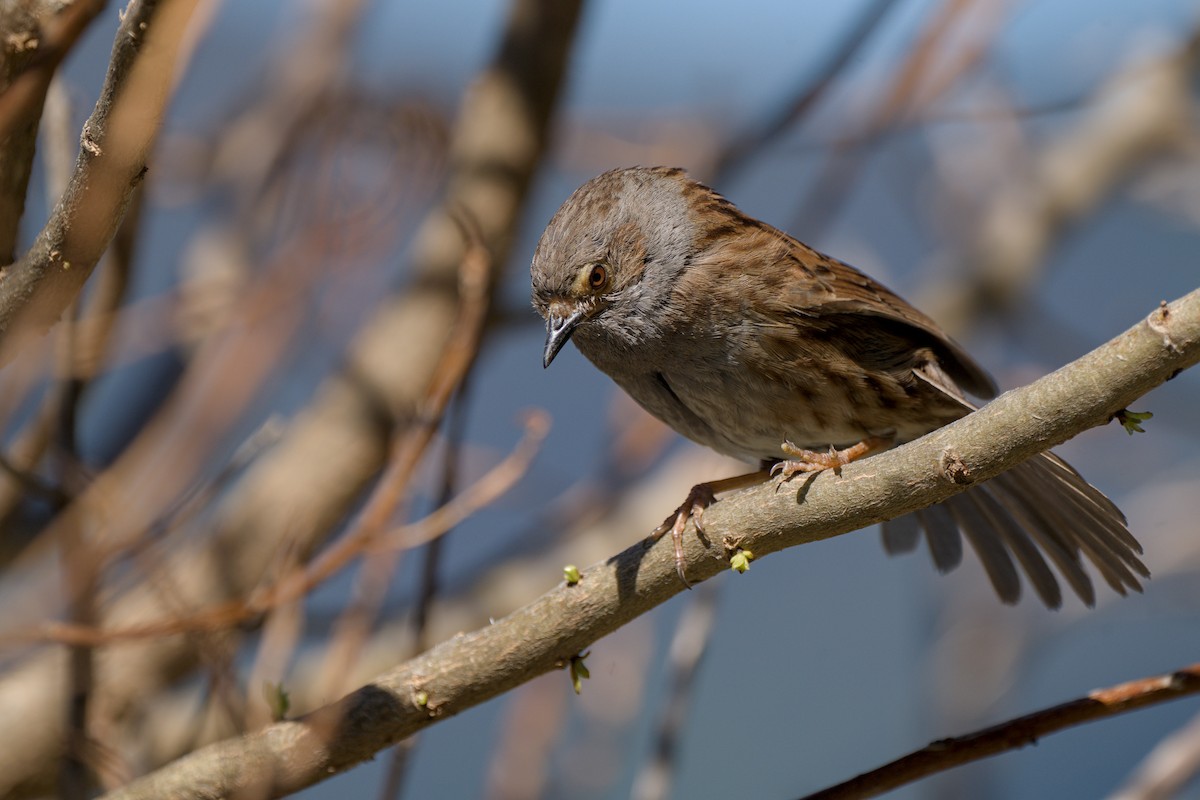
598,277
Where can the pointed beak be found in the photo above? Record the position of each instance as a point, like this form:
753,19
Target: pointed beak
558,330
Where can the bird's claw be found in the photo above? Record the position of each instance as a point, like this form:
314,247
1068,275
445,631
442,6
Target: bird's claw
699,498
801,461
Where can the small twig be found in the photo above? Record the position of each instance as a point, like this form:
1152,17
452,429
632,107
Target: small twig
199,492
810,93
397,769
81,584
1015,733
486,490
456,361
498,480
828,192
431,559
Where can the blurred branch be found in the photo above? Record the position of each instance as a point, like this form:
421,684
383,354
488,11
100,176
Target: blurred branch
902,100
811,91
368,530
693,634
335,447
1015,733
301,87
471,668
84,346
367,537
299,490
37,36
115,145
533,726
457,357
1168,768
1141,113
429,586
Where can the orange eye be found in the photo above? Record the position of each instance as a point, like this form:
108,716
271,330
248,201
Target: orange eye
598,277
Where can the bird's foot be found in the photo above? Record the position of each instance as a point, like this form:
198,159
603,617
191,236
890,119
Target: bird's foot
699,498
802,461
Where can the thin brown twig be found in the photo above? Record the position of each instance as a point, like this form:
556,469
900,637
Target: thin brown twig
494,483
431,554
943,754
392,784
832,185
81,585
810,94
483,492
459,355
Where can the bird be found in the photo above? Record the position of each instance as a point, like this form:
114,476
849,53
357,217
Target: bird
747,341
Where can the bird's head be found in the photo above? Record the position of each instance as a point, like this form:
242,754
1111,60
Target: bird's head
610,254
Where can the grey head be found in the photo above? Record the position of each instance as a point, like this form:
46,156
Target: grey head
607,260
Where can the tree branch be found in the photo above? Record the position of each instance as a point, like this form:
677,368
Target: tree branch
474,667
37,36
114,147
945,753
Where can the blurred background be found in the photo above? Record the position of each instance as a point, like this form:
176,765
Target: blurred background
282,289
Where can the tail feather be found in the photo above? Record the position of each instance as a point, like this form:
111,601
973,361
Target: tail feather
989,546
1040,508
941,534
902,535
1021,544
1061,550
1101,537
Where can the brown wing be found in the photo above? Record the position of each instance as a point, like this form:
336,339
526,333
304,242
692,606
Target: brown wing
812,284
834,287
815,285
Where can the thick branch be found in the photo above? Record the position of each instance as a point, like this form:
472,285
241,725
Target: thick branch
475,667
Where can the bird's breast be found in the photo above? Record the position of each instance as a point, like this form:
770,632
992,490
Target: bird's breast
696,385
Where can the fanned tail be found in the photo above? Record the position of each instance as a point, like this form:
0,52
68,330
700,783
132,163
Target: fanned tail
1041,509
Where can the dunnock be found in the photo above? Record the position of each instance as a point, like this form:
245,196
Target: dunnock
745,340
